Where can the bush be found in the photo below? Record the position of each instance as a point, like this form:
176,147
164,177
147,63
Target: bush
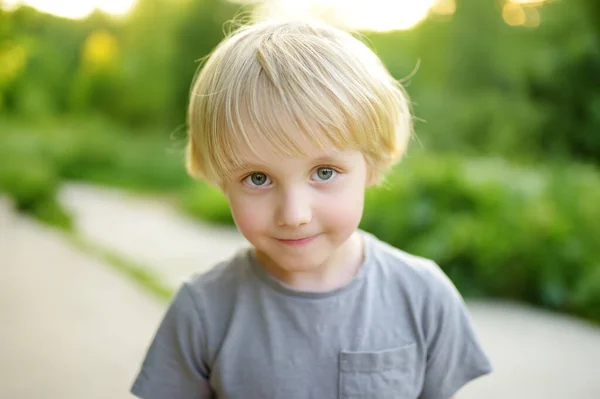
498,230
103,153
35,159
31,182
207,203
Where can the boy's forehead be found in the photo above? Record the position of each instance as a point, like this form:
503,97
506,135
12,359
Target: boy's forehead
265,153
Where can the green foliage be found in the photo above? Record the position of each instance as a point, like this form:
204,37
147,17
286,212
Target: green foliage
485,87
104,153
527,233
35,159
206,202
136,71
31,181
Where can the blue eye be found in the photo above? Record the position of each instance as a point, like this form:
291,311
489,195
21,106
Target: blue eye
324,174
257,179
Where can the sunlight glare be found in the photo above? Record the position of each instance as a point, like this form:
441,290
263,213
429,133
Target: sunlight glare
372,15
513,14
527,2
522,13
383,15
75,9
444,7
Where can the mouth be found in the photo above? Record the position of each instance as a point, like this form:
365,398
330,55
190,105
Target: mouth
297,241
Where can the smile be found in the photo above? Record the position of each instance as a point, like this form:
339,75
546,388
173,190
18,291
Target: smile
299,241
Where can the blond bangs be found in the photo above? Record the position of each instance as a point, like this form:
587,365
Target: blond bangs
269,88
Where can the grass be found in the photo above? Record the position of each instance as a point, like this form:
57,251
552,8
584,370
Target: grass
137,272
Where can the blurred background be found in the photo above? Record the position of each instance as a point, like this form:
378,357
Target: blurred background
501,185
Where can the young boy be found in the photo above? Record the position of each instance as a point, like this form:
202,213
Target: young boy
293,121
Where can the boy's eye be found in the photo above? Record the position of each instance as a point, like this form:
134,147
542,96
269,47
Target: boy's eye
257,179
324,174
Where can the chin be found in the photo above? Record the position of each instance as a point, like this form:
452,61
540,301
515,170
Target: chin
297,262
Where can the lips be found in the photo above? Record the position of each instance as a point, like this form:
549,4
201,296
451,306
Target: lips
297,241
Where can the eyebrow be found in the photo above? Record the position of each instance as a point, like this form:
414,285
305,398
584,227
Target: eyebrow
328,159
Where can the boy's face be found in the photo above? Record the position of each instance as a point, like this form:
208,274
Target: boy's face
298,211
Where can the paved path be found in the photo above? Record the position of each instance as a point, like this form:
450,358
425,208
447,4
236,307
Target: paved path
70,327
148,231
536,354
76,329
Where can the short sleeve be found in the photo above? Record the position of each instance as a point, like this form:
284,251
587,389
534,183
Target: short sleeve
454,354
173,366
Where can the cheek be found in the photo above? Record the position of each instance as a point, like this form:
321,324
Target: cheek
248,214
344,210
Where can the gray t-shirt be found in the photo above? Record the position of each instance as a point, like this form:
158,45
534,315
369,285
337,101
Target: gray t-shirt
398,329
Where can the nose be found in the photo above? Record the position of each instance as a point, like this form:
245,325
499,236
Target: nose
294,208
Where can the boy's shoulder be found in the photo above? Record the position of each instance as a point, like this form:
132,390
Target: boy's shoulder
413,273
215,291
221,277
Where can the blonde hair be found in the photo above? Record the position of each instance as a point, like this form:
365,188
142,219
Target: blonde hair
269,76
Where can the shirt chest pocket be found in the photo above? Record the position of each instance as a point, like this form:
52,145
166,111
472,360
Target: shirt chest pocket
384,374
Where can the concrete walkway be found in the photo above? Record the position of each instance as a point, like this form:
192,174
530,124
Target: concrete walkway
70,326
77,329
148,231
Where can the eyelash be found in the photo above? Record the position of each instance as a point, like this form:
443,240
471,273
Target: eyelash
335,170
